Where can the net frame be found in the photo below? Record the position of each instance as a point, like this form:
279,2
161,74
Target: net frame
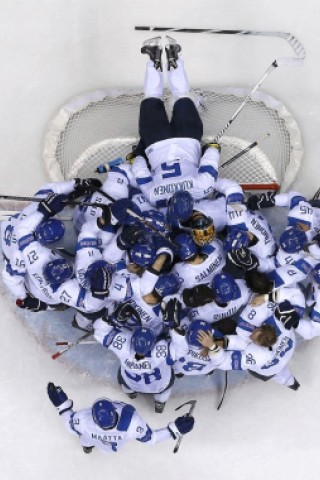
99,126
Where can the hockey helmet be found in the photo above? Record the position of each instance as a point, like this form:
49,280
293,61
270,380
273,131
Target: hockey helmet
156,219
142,254
50,231
58,271
225,288
193,331
143,340
236,239
202,229
187,247
180,208
98,278
292,239
104,414
167,284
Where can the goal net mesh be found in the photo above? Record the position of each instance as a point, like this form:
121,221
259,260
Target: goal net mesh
100,126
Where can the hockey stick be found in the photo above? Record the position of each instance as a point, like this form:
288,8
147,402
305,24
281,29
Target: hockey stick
192,404
284,61
71,345
244,151
224,389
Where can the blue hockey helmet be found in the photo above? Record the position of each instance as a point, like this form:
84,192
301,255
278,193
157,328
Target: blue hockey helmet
50,231
104,414
187,246
143,254
156,219
143,340
202,229
316,273
167,284
193,331
98,278
292,240
58,271
180,207
236,239
225,288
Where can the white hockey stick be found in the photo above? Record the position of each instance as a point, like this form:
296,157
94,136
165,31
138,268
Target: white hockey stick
279,62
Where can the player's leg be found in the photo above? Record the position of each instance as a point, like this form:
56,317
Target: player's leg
154,124
81,322
285,377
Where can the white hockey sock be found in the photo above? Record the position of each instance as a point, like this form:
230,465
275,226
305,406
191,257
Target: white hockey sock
153,81
178,81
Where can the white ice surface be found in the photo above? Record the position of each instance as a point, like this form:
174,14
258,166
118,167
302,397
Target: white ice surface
52,50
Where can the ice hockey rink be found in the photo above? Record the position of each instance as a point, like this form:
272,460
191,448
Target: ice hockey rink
51,50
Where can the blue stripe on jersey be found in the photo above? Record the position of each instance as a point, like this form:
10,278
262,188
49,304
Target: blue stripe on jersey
315,316
246,326
208,169
296,200
122,172
25,241
147,436
87,243
237,227
303,266
278,281
81,296
156,309
44,192
144,180
125,418
236,360
300,310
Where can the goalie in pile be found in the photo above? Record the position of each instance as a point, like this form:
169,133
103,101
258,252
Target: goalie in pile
171,270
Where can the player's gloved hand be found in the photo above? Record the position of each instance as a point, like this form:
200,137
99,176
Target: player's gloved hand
235,240
59,398
181,426
31,303
84,186
125,312
286,313
197,296
243,258
119,210
130,235
211,145
264,200
103,222
52,205
171,313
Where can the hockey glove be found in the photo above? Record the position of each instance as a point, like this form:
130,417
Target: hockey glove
125,313
243,258
31,303
197,296
59,398
286,313
104,221
119,210
316,239
52,205
172,313
181,426
211,145
129,236
264,200
85,186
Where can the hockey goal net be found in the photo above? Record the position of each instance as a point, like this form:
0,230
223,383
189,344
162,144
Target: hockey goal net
100,126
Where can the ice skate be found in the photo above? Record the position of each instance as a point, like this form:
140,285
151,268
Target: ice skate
295,386
172,51
159,406
152,47
88,328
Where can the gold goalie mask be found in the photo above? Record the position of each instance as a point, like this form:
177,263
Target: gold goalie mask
202,229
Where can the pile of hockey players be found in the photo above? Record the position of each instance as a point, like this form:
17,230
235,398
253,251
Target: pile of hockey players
174,272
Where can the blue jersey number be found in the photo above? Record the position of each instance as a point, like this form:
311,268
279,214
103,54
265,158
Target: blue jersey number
173,170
